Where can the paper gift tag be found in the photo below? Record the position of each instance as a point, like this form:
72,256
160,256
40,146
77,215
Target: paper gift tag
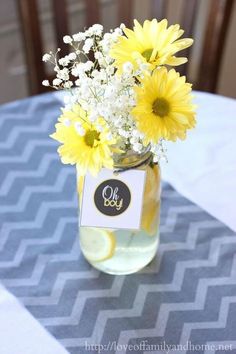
113,201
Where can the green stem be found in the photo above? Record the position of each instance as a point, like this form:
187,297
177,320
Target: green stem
131,239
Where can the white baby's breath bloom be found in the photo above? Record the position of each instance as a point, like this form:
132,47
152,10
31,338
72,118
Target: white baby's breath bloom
64,61
123,133
105,47
46,57
128,67
138,147
89,32
133,140
110,70
63,74
67,39
45,83
117,122
93,117
88,65
95,73
87,45
81,68
106,37
117,32
79,37
137,134
56,82
75,70
97,29
56,68
68,84
72,56
109,91
98,55
159,152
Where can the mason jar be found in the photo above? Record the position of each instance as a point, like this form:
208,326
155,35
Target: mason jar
126,251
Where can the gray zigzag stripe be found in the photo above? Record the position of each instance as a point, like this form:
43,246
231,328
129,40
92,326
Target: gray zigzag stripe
45,207
28,151
29,190
12,176
172,216
190,244
220,323
15,133
19,255
39,267
201,292
78,307
138,304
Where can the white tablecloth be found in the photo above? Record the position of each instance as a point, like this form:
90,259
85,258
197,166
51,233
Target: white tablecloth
20,333
203,167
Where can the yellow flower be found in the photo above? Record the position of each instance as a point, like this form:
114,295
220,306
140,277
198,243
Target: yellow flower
164,108
82,143
152,43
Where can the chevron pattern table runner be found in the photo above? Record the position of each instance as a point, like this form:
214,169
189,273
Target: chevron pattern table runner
185,297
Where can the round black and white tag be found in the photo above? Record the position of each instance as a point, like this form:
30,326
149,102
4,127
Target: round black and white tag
112,197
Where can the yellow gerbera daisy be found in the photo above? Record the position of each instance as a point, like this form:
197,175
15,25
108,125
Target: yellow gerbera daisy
82,143
164,108
152,43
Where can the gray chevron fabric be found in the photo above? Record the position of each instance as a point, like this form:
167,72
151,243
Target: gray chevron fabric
183,302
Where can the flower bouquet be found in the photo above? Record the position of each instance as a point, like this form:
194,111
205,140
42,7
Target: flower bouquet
124,100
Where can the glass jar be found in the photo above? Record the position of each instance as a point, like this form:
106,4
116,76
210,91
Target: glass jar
125,251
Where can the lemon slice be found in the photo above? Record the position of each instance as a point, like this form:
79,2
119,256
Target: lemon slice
150,217
97,244
152,186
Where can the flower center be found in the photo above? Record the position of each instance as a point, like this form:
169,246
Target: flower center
161,107
147,54
90,137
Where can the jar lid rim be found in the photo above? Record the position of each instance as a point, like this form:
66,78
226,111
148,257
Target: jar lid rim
139,158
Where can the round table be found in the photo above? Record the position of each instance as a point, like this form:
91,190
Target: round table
185,297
